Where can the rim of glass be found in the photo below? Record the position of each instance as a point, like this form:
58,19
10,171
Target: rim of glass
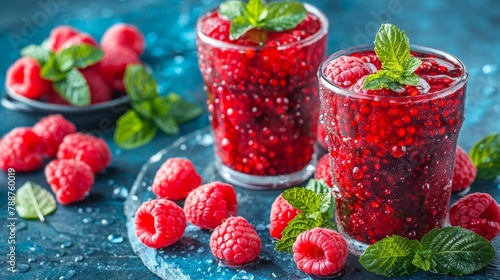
460,82
309,40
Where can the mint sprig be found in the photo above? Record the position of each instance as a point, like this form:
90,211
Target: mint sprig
257,14
398,65
449,250
150,111
61,68
485,154
315,202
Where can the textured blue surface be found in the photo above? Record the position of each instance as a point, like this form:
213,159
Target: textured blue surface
467,29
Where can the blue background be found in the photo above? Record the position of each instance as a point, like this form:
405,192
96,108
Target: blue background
466,29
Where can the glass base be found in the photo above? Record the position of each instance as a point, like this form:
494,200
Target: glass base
265,182
356,248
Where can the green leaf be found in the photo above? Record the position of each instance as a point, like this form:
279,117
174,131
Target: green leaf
38,53
74,88
239,26
256,12
132,131
167,125
181,109
33,201
325,201
411,79
232,9
485,154
50,70
139,84
302,199
411,64
79,56
145,109
455,250
317,186
391,256
285,15
295,227
422,259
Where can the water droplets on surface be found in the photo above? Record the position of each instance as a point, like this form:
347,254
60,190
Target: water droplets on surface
490,69
260,227
66,244
115,238
32,260
183,147
200,250
106,222
88,220
22,267
89,252
78,258
60,254
120,192
21,226
88,209
243,275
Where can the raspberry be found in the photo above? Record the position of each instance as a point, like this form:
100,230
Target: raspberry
100,91
113,64
21,149
159,223
464,171
208,205
70,180
281,214
59,36
320,251
125,35
345,71
54,98
322,133
324,171
52,130
175,179
78,39
478,212
87,148
235,242
23,78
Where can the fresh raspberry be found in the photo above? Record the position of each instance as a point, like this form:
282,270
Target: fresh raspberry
70,180
113,64
281,214
175,179
52,130
464,171
59,36
478,212
21,149
320,251
322,135
78,39
54,98
100,91
235,242
87,148
345,71
23,78
324,171
159,223
208,205
125,35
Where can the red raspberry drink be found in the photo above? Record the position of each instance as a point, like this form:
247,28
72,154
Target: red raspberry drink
392,151
263,98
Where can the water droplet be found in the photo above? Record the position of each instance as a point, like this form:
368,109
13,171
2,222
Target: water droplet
44,237
387,191
243,275
200,250
135,198
80,210
88,209
115,238
66,244
120,192
32,249
111,182
89,252
209,261
490,69
183,147
21,226
398,151
22,267
78,258
260,227
357,173
106,222
118,152
61,254
32,260
88,220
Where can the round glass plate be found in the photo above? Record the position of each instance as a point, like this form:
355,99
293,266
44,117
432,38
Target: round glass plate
191,258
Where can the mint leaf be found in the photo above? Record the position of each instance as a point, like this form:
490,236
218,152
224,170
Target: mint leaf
284,16
139,84
485,154
422,259
256,12
50,70
167,125
302,199
38,53
79,56
145,109
182,110
454,250
239,26
33,201
74,88
327,202
132,131
295,227
317,186
232,9
391,256
393,49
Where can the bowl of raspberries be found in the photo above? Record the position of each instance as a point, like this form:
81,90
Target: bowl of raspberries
73,74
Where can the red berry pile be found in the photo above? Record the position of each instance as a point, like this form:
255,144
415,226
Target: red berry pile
392,159
122,44
263,98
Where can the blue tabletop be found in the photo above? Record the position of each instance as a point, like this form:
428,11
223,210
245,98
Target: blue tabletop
88,240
